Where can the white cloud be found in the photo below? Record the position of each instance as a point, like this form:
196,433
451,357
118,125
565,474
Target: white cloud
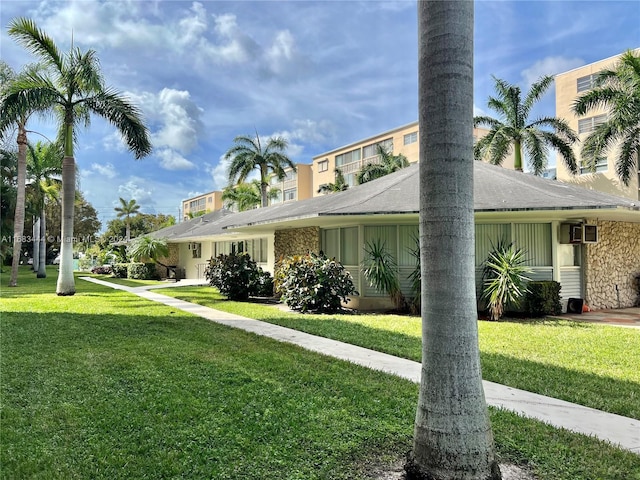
172,160
132,190
107,170
219,173
235,45
549,66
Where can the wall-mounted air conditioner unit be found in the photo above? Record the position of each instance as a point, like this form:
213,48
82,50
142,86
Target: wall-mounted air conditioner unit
575,234
589,234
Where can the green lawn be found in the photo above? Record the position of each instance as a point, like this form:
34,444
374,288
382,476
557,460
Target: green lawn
105,384
588,364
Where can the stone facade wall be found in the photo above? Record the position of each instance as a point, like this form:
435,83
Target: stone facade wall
296,241
171,259
614,260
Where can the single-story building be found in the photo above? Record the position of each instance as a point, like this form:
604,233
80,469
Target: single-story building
586,240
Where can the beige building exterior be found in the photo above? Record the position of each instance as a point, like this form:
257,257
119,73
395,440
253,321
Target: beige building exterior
201,204
351,158
570,85
295,185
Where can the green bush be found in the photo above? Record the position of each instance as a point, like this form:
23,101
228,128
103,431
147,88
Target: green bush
314,283
543,298
237,277
504,278
120,270
141,271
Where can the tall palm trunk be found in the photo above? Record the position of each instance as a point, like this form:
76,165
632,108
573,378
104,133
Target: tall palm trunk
517,155
18,219
452,436
66,283
42,260
36,243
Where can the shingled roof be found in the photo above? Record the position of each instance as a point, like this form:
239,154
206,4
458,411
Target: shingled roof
496,189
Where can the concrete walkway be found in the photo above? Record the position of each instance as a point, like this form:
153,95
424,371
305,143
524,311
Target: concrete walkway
619,430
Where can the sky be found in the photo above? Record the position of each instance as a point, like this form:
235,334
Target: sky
322,74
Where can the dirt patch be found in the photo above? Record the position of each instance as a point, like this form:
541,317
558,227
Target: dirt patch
396,472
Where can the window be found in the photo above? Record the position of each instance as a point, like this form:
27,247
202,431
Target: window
196,250
410,138
349,157
290,194
602,165
256,248
210,199
586,83
372,150
586,125
323,166
290,175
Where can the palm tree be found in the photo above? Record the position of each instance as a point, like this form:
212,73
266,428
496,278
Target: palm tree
72,87
618,90
452,434
147,246
44,167
127,210
248,154
388,163
340,184
246,196
514,132
8,80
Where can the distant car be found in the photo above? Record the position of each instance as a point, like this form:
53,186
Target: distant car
30,261
56,261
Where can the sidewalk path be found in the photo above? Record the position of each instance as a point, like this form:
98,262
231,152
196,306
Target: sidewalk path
616,429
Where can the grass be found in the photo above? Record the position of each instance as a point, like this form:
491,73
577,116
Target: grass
105,384
589,364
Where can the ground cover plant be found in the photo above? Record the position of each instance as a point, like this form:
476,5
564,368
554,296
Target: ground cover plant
105,384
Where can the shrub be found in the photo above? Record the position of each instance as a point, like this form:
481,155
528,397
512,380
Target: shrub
141,271
102,270
381,271
237,277
543,298
504,278
119,270
262,285
314,283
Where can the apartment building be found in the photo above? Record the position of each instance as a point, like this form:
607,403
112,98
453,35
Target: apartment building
570,85
201,204
295,185
351,158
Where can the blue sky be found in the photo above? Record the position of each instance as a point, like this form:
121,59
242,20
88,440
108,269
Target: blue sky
321,74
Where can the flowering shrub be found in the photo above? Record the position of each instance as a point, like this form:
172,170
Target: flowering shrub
313,283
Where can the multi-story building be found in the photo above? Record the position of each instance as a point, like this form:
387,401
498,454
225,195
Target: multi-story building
201,204
569,86
351,158
295,185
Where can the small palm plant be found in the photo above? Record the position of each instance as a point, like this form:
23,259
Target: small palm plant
504,278
380,270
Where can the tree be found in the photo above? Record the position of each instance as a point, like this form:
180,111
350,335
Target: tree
514,132
85,222
147,246
340,184
126,210
8,167
44,167
248,154
452,436
246,196
618,90
388,163
72,87
19,118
